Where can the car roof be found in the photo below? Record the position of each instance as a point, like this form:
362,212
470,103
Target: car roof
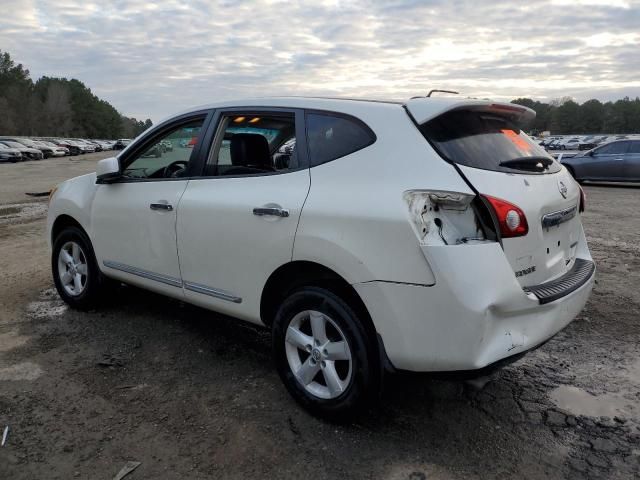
426,107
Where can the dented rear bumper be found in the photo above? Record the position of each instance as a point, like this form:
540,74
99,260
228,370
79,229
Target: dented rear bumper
476,314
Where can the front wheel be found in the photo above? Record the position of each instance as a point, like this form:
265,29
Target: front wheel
76,275
323,353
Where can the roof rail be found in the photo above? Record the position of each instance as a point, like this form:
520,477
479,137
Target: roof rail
443,91
436,90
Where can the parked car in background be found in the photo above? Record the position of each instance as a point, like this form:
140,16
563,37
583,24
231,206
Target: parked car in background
588,142
81,147
121,143
46,151
85,146
28,153
553,144
617,161
465,250
96,145
55,150
8,154
168,146
572,143
72,147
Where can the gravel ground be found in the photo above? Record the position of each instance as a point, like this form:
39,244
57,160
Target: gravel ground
191,394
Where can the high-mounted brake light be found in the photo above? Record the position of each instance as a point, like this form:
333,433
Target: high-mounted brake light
583,200
511,219
507,108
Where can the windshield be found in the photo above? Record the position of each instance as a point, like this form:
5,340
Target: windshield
13,144
486,141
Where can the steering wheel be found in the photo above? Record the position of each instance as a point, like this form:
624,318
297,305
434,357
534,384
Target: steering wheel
172,170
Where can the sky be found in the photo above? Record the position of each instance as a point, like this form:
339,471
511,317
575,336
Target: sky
151,59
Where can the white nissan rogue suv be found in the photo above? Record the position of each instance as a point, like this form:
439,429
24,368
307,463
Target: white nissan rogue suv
368,236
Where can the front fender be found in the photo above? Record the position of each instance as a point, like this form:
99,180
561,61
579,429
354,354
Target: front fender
74,198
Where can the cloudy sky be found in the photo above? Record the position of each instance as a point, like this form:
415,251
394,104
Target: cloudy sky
152,58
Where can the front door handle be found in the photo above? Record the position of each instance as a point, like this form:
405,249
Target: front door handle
273,211
161,206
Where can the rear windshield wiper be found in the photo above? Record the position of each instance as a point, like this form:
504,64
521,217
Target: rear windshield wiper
528,163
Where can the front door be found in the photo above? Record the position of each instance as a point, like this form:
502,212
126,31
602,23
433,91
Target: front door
134,219
237,223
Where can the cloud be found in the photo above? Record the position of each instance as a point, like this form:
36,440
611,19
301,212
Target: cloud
152,59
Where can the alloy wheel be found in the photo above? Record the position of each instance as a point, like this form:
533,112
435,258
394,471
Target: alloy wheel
318,354
72,268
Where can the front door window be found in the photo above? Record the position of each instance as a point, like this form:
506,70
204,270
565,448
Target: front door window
167,156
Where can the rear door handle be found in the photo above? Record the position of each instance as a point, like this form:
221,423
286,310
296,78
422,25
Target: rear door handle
273,211
161,206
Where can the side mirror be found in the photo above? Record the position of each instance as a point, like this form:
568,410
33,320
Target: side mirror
108,170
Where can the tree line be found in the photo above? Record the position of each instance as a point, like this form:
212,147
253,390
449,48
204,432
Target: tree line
57,107
565,116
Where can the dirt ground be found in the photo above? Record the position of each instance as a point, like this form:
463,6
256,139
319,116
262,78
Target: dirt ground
191,394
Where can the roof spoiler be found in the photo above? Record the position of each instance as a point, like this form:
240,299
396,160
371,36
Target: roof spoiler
425,109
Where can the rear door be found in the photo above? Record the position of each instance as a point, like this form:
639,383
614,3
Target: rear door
237,221
500,161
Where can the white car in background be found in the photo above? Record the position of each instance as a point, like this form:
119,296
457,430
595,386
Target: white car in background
368,236
55,149
569,143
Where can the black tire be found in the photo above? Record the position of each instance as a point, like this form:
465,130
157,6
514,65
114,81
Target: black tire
95,283
364,384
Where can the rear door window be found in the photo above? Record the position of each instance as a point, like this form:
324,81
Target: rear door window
332,136
486,141
634,147
254,144
613,148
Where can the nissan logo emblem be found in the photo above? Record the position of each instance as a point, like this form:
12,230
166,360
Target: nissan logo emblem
563,188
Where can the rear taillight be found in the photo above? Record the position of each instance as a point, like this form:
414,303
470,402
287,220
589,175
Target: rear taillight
443,217
583,200
511,219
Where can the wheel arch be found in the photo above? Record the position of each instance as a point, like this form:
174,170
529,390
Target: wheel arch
63,221
301,273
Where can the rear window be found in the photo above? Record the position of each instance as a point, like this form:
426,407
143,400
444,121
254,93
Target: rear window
486,141
334,136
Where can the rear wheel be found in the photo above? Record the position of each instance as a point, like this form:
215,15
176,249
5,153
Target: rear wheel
323,353
76,275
